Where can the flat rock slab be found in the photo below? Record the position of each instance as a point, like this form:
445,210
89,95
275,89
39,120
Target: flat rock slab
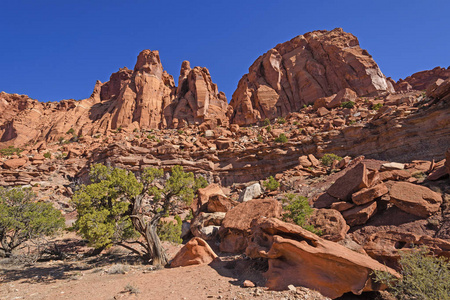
415,199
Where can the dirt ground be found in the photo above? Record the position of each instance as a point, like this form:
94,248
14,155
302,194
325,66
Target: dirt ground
119,275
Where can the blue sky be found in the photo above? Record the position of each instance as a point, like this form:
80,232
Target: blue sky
53,50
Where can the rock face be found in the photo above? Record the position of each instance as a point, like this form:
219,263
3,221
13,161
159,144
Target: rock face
298,257
421,80
198,99
195,252
297,72
143,98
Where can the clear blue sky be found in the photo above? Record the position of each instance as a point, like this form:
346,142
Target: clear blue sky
53,50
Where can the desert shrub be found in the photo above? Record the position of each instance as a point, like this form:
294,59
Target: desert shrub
298,211
269,128
180,131
328,159
282,138
131,289
281,120
266,122
70,131
424,276
348,104
377,106
151,137
23,219
11,150
169,231
260,138
271,184
118,269
47,155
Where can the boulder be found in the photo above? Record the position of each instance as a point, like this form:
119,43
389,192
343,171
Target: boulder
324,200
251,192
14,163
331,223
299,257
415,199
344,95
367,195
385,246
206,225
236,224
200,203
392,166
195,252
352,181
360,214
220,203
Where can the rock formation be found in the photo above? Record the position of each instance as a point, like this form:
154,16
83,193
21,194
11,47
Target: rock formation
420,80
297,72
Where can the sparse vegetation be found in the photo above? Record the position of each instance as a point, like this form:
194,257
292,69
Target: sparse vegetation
111,209
377,106
424,276
269,128
260,138
271,184
11,150
23,219
328,159
298,211
131,289
118,269
266,122
47,155
348,104
281,120
282,138
70,131
180,131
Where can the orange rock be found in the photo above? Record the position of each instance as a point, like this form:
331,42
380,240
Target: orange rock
199,203
299,257
195,252
360,214
369,194
352,181
14,163
415,199
331,223
236,225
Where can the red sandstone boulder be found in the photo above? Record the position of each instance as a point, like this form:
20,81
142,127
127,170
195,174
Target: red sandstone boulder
14,163
195,252
199,203
360,214
236,225
415,199
299,257
220,203
331,223
369,194
352,181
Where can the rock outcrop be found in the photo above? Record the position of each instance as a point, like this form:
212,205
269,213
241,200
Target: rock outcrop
299,257
420,80
195,252
308,67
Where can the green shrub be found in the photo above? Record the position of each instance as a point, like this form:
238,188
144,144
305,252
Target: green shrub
348,104
180,131
70,131
168,231
47,155
23,219
281,138
377,106
151,137
260,138
271,184
328,159
269,128
11,150
424,276
266,122
281,120
298,211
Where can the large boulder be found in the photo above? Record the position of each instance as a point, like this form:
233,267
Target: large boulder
195,252
331,224
236,225
310,66
300,258
206,225
415,199
251,192
201,202
352,181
